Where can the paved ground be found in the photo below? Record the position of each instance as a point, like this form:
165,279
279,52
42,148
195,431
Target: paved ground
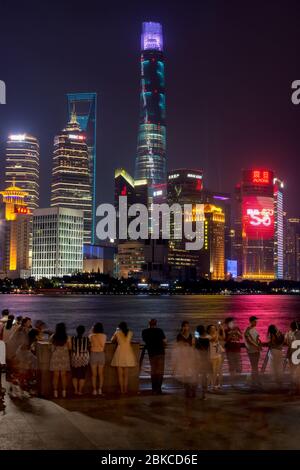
233,420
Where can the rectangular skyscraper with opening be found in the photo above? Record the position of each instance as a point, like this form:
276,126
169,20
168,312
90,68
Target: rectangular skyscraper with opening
85,107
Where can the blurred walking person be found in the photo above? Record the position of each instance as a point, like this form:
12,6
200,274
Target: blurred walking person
80,357
155,343
275,343
216,352
289,338
3,320
253,345
18,338
9,328
185,360
202,345
124,357
233,337
25,372
60,358
97,357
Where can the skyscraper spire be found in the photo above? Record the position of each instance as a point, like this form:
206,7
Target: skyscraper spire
73,124
73,119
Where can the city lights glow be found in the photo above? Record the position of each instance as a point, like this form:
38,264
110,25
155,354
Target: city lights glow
17,137
152,37
76,137
22,210
258,217
261,176
193,175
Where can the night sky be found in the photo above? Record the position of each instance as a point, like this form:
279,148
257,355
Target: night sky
229,69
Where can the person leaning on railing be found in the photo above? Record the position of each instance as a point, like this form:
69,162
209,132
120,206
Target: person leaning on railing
97,357
233,337
254,346
155,343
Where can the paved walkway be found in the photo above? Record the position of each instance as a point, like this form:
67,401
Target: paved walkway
233,420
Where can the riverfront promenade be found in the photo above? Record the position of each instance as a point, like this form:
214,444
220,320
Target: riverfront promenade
231,420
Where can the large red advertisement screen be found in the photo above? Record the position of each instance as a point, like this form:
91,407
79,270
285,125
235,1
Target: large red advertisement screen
258,217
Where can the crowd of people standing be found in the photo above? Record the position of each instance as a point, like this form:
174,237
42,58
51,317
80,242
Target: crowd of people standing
197,356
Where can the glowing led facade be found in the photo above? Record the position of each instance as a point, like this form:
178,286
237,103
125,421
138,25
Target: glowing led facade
85,107
71,186
278,228
22,166
152,37
257,225
151,148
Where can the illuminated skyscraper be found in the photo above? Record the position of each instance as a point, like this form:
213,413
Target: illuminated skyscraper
85,107
57,242
15,233
71,186
151,149
255,196
22,166
212,259
185,186
131,253
279,229
292,250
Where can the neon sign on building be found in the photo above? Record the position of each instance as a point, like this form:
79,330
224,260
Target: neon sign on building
22,210
261,176
76,137
258,217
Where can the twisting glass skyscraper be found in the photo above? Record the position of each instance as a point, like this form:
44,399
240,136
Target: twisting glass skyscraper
151,149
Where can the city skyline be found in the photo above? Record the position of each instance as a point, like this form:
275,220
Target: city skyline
258,128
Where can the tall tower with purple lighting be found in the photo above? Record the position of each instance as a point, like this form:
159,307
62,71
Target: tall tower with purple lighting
151,148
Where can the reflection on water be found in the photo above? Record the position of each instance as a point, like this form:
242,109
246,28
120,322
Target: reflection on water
169,310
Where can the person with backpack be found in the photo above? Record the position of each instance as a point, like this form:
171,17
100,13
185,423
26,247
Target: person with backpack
275,343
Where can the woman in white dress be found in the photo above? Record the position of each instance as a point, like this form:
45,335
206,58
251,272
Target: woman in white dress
124,356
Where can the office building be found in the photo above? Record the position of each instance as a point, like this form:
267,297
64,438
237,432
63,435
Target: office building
85,107
22,166
292,249
212,256
57,242
15,233
223,200
130,253
185,186
71,182
278,228
259,208
99,259
151,147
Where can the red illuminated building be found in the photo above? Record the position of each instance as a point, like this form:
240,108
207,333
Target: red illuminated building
257,225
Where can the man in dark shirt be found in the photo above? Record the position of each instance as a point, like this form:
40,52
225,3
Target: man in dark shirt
155,342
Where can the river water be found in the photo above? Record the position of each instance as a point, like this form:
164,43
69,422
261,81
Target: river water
169,310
